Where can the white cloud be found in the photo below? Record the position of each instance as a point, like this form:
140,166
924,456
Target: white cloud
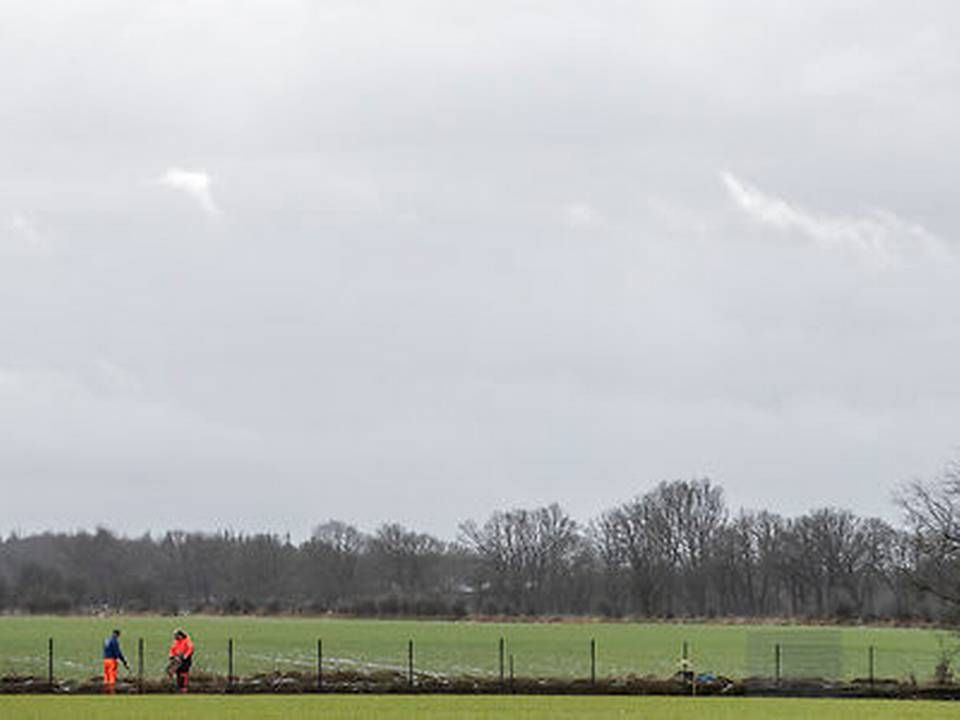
579,214
195,183
879,237
19,235
23,226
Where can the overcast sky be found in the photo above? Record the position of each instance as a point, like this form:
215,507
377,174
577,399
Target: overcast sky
264,264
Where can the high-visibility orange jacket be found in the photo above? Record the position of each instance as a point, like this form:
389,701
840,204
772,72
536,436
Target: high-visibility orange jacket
182,647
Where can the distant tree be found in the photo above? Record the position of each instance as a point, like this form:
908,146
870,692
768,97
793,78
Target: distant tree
932,513
745,571
674,550
830,553
667,543
43,589
331,560
406,557
525,557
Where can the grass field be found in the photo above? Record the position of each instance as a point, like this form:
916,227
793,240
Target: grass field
475,708
454,648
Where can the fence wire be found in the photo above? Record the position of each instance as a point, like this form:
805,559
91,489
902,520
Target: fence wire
775,654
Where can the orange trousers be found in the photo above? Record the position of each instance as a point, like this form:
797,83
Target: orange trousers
109,671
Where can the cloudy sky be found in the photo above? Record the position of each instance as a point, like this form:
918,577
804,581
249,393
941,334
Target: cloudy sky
264,264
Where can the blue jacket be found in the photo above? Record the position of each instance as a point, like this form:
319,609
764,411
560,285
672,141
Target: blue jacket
112,651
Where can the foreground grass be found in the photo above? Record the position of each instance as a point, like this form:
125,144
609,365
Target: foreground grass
476,708
471,648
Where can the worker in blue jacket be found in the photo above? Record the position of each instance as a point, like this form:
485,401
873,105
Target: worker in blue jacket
112,656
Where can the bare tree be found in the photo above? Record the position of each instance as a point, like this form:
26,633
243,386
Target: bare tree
525,556
673,550
666,541
407,557
331,560
932,513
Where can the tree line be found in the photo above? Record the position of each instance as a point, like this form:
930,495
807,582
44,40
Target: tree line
675,551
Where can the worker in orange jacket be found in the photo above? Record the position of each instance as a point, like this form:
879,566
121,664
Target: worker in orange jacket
181,658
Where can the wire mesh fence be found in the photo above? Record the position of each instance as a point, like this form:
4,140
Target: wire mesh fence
458,651
832,655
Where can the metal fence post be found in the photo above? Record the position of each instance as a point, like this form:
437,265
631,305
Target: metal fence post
410,663
872,663
50,663
684,671
776,662
593,661
319,664
502,649
140,664
229,664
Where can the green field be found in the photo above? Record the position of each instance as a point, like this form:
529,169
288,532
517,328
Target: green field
437,707
471,648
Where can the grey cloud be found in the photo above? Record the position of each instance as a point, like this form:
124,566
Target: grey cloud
472,257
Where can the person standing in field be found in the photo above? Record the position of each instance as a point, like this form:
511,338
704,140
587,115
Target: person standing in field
181,658
112,656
